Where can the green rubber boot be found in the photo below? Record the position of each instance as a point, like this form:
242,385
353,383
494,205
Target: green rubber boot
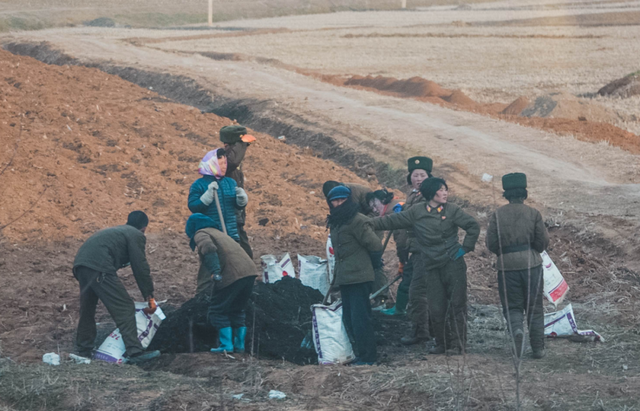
402,299
226,340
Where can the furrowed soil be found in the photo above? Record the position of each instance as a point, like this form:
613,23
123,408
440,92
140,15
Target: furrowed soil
101,147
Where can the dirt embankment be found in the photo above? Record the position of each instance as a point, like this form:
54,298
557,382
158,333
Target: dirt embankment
558,113
102,147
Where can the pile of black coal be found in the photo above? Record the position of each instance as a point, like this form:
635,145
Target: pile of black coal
278,324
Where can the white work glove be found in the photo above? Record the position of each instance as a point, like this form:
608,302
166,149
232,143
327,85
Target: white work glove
207,197
241,197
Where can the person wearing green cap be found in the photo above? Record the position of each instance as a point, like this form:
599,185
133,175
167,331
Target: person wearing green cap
236,141
517,235
413,288
436,223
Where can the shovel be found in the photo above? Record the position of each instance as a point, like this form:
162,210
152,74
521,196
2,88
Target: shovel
217,199
377,293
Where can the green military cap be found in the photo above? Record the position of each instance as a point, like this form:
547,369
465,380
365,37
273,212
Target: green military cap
232,134
514,180
422,163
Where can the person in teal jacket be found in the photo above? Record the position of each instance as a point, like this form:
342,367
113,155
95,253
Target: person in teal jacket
201,194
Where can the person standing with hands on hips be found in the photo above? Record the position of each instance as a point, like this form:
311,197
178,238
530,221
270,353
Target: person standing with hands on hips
236,142
435,224
517,235
353,240
202,200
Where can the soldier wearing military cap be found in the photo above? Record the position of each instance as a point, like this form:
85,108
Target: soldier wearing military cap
236,141
517,235
438,262
413,288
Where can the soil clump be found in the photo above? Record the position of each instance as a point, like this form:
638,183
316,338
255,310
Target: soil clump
565,105
101,22
624,87
516,107
278,324
413,87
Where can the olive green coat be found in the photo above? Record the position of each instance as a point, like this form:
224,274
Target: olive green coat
435,232
113,248
235,154
520,225
406,238
352,244
399,236
234,261
359,196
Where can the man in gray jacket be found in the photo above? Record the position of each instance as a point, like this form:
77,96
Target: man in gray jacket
95,267
517,235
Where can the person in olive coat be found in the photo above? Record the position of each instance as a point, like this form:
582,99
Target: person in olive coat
435,224
236,142
353,240
95,267
414,284
359,195
517,235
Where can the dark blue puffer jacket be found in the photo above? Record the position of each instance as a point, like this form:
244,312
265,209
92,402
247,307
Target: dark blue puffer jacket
226,193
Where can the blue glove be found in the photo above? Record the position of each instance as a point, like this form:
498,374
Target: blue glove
459,254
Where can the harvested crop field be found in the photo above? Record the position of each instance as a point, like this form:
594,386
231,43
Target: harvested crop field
119,119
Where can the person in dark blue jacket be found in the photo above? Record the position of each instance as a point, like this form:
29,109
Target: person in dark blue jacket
201,194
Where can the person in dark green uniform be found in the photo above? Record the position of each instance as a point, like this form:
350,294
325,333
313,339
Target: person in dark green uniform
517,235
236,142
353,240
435,224
95,267
413,287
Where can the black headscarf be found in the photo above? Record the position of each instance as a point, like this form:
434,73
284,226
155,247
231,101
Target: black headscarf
343,214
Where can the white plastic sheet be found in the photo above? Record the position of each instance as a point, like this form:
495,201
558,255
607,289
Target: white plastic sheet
555,287
313,272
113,349
329,335
276,267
